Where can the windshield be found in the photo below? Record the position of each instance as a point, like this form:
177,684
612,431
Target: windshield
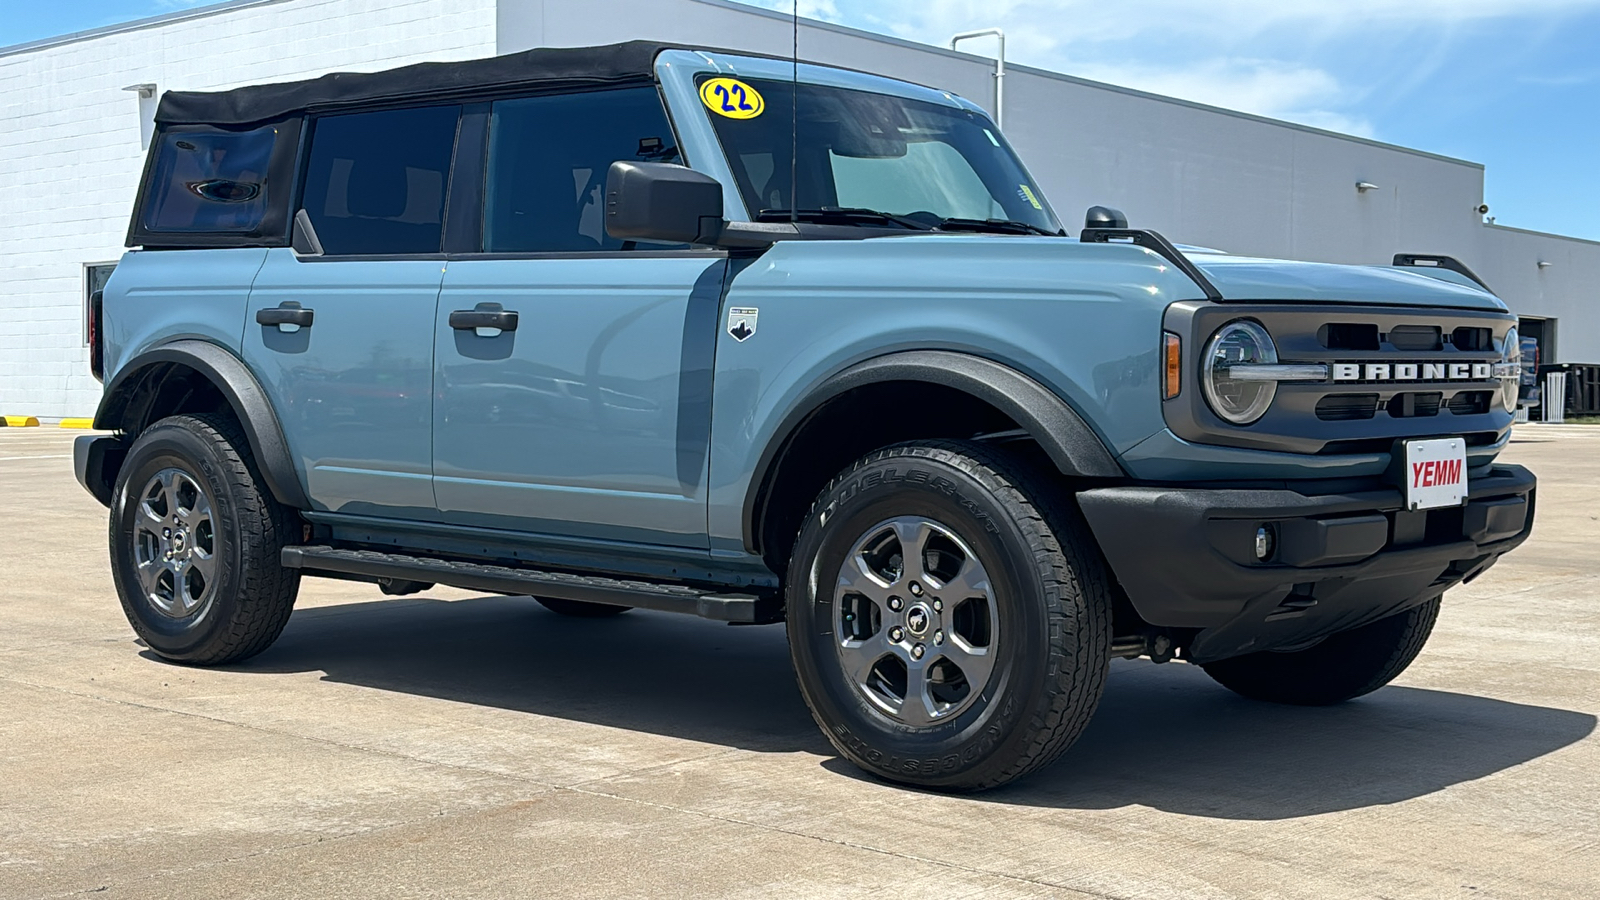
859,150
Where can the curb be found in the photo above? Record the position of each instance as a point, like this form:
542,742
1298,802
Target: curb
77,423
21,421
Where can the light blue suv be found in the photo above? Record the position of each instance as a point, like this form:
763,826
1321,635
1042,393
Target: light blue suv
657,327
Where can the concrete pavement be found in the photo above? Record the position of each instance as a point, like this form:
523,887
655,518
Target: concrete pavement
459,745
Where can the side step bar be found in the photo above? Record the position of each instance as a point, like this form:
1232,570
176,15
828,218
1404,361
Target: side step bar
370,565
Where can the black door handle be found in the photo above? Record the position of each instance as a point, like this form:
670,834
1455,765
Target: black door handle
467,319
285,315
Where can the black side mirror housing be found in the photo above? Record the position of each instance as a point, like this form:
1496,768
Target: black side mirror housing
662,202
1104,217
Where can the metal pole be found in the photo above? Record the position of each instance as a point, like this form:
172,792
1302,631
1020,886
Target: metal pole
999,69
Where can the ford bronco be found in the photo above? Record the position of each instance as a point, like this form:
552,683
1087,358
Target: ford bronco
647,326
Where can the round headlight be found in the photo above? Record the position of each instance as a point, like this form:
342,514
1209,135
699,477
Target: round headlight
1511,380
1238,343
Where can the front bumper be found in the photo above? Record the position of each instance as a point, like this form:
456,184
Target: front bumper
1186,556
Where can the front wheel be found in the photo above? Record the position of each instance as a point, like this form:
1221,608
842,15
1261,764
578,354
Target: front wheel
1341,667
949,623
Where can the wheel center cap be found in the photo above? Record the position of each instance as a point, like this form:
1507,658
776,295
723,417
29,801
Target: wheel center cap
177,542
917,619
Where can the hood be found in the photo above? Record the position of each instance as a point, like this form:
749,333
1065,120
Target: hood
1246,278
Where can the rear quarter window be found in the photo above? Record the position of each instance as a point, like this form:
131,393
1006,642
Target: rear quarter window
210,182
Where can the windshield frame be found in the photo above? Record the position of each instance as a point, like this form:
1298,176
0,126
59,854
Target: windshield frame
679,72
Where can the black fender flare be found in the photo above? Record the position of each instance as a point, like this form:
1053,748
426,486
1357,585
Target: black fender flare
1070,443
238,386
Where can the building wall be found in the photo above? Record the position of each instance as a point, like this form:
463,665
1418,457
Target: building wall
71,146
1567,290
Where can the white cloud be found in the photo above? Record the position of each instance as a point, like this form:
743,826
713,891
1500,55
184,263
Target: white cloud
1264,87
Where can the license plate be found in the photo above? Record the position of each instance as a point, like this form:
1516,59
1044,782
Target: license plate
1436,473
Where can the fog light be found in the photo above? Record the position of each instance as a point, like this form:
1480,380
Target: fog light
1265,543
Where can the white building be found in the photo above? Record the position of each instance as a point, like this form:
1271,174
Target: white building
76,114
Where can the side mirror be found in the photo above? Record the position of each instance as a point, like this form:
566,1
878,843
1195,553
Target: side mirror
662,202
1104,217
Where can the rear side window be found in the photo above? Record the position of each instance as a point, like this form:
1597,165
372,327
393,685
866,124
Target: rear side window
210,182
548,159
376,182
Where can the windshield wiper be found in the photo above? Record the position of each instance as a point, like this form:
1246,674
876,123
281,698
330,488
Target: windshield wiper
844,215
996,226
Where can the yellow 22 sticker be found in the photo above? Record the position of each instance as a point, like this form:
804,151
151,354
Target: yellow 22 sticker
732,98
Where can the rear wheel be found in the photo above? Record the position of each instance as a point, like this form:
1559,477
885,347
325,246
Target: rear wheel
581,609
950,626
195,543
1344,666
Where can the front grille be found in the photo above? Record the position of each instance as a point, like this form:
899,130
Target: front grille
1394,373
1470,403
1406,406
1414,338
1472,340
1345,407
1348,336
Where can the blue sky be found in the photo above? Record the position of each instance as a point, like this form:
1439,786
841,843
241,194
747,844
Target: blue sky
1513,84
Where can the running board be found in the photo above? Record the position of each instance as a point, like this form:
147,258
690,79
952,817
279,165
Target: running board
370,565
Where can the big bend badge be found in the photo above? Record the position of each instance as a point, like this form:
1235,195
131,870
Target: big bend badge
742,322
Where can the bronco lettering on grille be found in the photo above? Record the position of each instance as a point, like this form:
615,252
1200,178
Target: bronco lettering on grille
1414,371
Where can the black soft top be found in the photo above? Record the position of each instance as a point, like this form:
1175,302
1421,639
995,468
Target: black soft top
556,68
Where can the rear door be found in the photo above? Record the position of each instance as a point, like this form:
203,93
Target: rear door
591,418
343,343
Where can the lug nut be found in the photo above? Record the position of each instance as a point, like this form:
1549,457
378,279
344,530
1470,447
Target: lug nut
917,651
895,634
938,605
938,637
916,589
895,603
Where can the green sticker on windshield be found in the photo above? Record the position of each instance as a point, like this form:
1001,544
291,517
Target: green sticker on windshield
1028,195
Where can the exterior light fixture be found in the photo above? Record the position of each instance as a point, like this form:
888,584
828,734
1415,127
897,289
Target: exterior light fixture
145,91
1544,263
1363,186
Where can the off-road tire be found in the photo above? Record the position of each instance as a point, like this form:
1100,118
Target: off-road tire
1051,588
581,609
254,593
1344,666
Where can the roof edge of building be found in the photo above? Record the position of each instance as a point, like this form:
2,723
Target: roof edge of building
198,12
1544,234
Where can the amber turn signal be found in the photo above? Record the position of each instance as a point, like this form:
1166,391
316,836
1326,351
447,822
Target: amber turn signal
1174,355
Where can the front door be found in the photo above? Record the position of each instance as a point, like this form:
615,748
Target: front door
587,416
343,343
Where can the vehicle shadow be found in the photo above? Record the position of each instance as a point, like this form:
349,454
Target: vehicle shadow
1166,737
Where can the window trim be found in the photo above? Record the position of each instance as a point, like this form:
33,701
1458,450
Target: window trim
483,186
303,167
466,187
282,168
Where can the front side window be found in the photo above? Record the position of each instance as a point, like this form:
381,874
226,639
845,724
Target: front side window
375,182
845,149
548,159
210,181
